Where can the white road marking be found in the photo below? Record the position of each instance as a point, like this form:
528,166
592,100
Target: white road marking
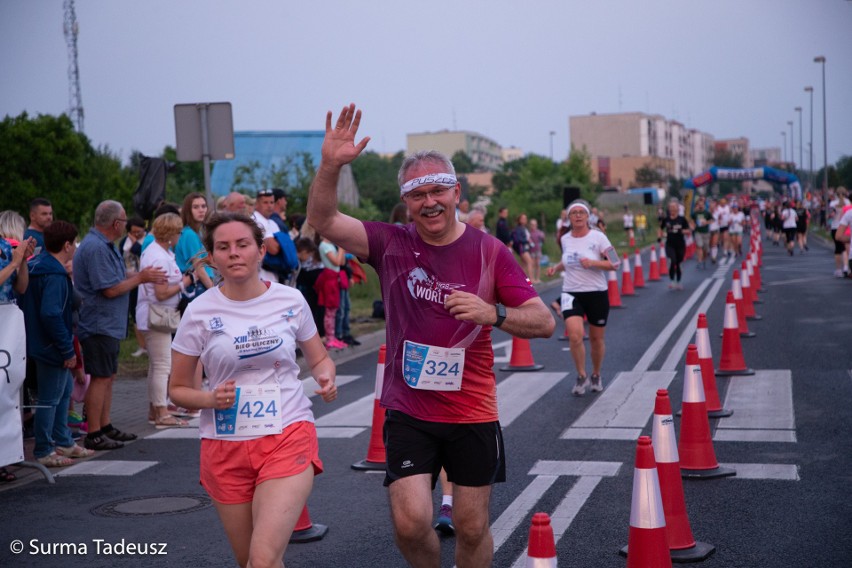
763,408
105,467
779,471
648,357
358,413
565,512
519,391
506,346
310,385
626,403
547,472
175,434
678,352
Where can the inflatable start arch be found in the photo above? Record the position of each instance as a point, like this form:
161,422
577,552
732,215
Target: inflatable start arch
743,174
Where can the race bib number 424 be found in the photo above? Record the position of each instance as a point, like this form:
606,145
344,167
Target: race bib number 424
428,367
255,412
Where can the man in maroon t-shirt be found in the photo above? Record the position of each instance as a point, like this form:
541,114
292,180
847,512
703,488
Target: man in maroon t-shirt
444,286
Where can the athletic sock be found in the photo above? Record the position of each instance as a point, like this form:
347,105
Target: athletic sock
447,500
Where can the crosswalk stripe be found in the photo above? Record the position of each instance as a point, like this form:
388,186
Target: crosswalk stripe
627,403
519,391
779,471
105,467
763,408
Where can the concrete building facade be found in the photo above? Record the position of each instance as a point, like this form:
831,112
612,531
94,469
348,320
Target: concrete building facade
638,135
485,153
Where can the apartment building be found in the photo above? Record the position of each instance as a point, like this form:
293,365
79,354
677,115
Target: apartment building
485,153
644,139
736,146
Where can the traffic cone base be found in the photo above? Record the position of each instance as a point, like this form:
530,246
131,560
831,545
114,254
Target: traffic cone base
366,465
701,551
697,553
305,530
734,373
723,413
717,471
521,359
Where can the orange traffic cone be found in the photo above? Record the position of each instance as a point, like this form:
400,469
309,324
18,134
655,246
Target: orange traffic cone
748,294
682,545
664,267
754,274
626,278
541,551
521,359
653,266
376,451
708,374
305,530
612,289
690,248
737,290
695,446
647,546
731,361
638,277
632,242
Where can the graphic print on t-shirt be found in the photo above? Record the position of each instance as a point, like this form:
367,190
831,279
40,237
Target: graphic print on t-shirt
256,342
427,287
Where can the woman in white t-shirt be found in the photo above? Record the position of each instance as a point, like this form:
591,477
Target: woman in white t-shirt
788,223
259,450
586,256
166,230
736,221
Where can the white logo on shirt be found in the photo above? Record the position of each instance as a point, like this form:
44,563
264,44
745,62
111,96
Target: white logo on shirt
426,287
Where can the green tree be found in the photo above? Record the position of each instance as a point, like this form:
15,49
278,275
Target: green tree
463,163
293,174
376,177
647,176
45,157
844,171
534,184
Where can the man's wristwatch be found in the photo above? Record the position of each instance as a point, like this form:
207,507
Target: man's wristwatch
501,314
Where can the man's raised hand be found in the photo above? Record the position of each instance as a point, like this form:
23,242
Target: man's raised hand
339,146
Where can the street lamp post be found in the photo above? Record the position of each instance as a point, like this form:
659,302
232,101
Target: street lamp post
810,90
821,59
801,150
552,134
784,145
792,151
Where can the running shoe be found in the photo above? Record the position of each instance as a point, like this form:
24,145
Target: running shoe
139,352
597,384
335,344
838,274
445,521
580,388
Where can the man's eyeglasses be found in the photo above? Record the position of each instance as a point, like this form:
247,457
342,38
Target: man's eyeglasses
265,193
121,220
418,196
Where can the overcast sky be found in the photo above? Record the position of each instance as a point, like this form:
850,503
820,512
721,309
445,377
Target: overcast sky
511,70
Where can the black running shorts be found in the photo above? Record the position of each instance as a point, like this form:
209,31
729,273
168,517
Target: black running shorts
472,454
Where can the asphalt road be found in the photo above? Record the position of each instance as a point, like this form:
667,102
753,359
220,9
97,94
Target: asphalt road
789,506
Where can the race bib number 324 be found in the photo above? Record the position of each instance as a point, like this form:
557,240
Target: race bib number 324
428,367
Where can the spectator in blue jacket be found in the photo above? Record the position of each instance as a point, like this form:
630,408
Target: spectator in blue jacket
47,306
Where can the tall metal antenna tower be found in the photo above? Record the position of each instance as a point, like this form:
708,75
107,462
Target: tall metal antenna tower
75,101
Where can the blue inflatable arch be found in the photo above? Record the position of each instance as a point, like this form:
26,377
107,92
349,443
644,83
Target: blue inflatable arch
742,174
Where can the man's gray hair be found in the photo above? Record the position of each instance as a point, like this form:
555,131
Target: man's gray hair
430,156
107,212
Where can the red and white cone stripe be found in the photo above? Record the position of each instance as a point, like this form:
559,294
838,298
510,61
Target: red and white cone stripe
647,545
